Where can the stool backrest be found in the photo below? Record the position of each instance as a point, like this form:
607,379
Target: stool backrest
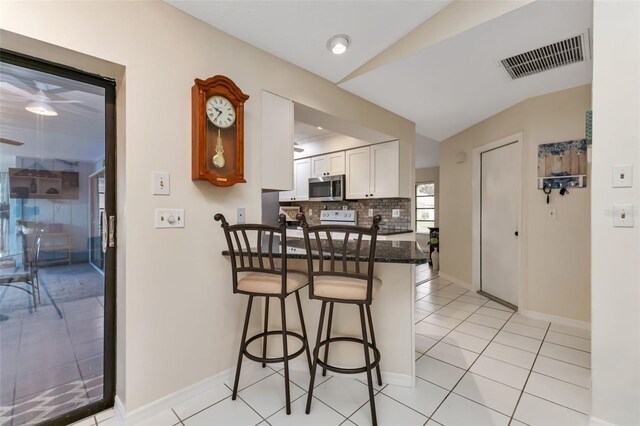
268,244
335,252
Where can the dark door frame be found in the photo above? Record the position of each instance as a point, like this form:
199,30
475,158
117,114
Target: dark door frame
109,85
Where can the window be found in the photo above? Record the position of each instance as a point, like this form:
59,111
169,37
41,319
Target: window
425,207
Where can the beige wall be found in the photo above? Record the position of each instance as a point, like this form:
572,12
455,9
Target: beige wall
615,271
556,258
431,174
180,323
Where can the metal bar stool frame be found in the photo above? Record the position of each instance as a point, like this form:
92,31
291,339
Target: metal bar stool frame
340,254
262,261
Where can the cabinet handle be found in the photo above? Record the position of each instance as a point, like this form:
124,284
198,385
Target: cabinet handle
366,195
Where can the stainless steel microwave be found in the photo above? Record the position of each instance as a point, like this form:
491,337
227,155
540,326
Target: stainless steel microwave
326,188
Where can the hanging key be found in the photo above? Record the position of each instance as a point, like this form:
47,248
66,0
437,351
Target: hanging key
547,190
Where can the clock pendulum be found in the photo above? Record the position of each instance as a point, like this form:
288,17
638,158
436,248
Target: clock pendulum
218,158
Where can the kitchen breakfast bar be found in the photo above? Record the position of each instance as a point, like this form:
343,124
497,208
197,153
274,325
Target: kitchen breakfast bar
392,311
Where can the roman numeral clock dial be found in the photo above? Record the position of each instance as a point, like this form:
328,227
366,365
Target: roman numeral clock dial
218,131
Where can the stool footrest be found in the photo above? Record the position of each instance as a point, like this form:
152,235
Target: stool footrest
354,370
273,333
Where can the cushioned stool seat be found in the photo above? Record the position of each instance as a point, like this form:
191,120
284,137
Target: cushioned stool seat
343,273
261,271
259,282
345,288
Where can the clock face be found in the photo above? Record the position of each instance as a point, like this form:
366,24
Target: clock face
220,111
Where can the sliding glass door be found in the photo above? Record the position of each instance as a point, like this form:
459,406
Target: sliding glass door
57,263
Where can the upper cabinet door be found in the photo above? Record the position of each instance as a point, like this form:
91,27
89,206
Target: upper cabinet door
385,170
357,171
335,160
328,164
277,142
320,166
302,172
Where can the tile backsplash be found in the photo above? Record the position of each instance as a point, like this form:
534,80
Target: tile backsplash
381,206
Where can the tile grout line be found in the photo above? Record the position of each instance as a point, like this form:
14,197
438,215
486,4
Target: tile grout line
440,340
528,376
177,416
248,405
467,371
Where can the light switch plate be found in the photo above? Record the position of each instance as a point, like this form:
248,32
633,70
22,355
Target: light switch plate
161,183
552,213
623,215
622,176
310,212
370,212
169,218
395,213
241,216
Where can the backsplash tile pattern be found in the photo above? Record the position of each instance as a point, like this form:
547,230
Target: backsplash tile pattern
381,206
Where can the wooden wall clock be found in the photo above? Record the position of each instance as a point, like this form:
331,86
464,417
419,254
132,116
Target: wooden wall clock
217,108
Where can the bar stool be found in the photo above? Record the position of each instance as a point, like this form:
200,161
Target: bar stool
332,282
258,275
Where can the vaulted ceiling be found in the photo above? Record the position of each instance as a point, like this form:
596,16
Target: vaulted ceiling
436,63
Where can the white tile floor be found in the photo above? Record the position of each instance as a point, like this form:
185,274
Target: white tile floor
478,363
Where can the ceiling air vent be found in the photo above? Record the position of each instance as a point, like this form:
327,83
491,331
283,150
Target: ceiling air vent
555,55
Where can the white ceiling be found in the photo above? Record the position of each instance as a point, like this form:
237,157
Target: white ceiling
298,31
76,133
445,87
456,83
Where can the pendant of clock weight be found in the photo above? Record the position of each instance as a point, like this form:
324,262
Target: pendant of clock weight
222,114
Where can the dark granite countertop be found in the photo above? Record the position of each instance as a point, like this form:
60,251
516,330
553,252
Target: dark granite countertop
394,231
408,252
382,231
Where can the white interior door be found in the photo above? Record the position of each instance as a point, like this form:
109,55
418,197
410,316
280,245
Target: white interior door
500,210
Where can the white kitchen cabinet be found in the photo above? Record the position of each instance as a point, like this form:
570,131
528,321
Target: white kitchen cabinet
301,174
373,171
384,173
277,142
357,173
328,164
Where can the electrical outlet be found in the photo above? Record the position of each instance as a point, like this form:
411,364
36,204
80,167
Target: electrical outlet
310,212
161,183
552,213
169,218
395,213
345,207
370,212
395,243
240,218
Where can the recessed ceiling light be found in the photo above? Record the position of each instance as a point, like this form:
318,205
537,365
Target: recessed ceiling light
319,128
41,108
338,44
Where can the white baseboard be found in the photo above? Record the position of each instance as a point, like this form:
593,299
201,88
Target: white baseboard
455,280
594,421
555,319
120,410
146,411
405,380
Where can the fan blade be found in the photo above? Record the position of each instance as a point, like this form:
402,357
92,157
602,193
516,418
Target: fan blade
18,91
63,102
10,142
46,87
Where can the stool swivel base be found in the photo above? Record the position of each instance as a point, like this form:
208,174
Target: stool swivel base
264,335
367,345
